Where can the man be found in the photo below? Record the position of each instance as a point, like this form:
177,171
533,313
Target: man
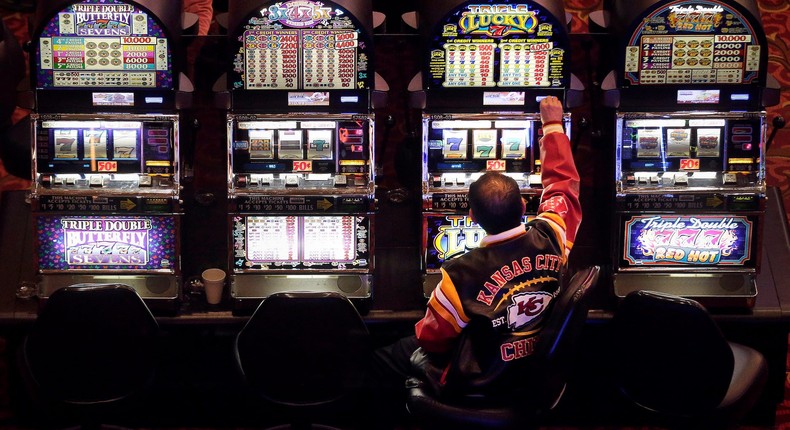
486,312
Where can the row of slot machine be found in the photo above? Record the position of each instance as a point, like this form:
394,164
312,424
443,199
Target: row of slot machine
689,97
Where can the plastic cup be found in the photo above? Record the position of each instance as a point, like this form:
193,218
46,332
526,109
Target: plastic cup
213,283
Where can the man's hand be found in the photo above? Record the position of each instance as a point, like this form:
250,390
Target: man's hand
550,110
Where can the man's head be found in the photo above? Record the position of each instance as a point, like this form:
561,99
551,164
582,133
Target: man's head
495,202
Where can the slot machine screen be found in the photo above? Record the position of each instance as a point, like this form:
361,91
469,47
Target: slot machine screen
301,242
481,145
302,45
673,240
498,45
680,150
112,243
105,146
450,236
702,42
317,146
103,43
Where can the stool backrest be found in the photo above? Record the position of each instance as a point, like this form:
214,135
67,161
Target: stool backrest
304,348
556,348
92,343
669,354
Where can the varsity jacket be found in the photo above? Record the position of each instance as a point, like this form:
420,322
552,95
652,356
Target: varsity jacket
499,294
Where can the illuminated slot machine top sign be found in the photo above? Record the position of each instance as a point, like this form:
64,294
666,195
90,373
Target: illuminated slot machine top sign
703,42
498,45
103,43
302,45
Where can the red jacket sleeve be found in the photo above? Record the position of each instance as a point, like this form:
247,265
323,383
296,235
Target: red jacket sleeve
559,203
444,319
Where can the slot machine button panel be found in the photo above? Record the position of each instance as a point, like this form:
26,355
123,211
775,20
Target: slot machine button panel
165,183
242,181
437,181
291,181
145,181
535,180
58,181
340,180
681,179
655,179
71,182
96,181
46,180
730,179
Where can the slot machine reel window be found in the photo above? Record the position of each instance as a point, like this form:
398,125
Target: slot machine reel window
300,242
90,147
662,151
477,146
103,43
299,147
105,147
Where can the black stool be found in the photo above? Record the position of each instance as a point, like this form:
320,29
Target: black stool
307,354
91,350
671,360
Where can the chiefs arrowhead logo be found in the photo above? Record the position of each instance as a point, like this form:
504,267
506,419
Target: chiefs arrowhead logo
555,204
526,307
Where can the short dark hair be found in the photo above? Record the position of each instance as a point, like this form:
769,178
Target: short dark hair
495,200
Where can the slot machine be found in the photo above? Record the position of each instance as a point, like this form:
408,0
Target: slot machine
300,149
690,95
485,69
105,137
